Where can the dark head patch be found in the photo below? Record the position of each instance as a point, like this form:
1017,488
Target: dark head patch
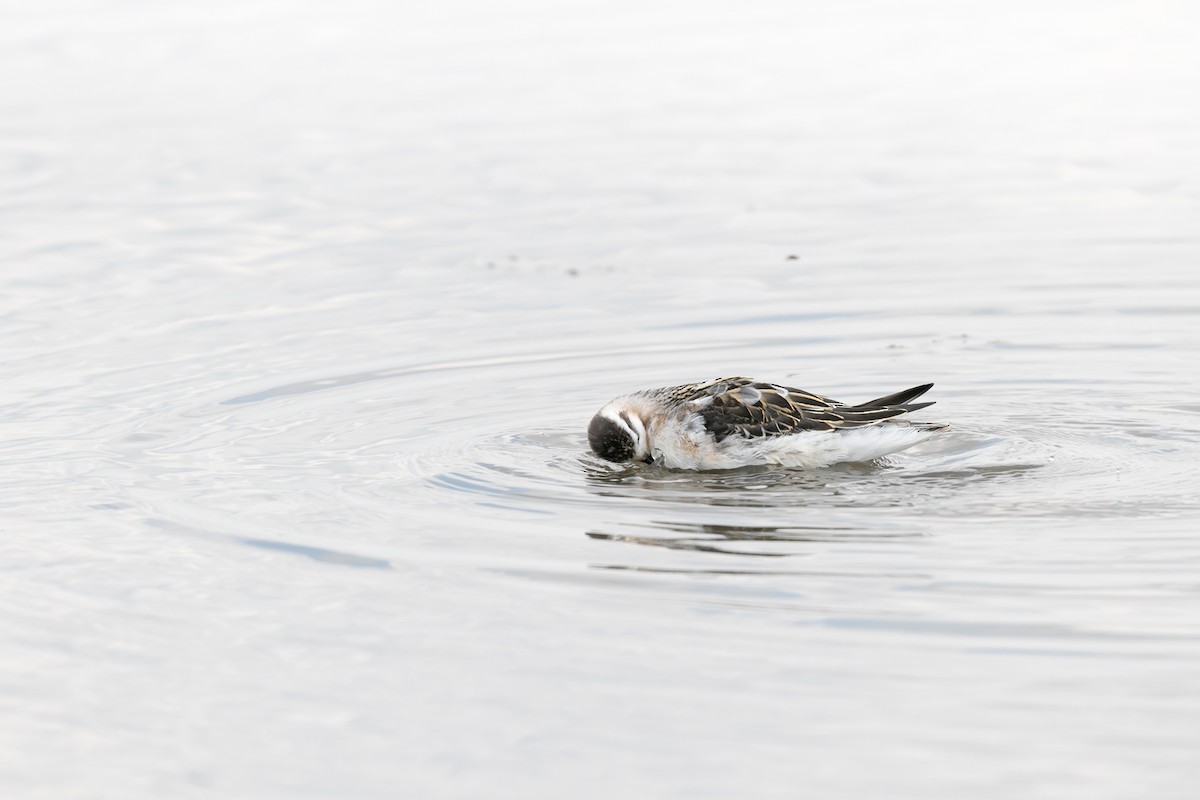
609,440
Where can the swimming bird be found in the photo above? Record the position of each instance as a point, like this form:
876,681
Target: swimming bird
735,422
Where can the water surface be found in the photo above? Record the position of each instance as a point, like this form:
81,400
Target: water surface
305,310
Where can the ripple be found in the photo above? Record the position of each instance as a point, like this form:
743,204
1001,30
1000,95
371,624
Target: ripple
25,170
766,541
424,435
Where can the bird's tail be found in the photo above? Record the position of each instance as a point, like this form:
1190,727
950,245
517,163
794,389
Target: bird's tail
902,398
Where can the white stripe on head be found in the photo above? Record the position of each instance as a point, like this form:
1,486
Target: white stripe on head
630,422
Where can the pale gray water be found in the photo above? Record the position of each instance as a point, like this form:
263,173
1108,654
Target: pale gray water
304,309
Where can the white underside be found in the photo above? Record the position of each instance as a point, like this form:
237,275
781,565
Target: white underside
688,446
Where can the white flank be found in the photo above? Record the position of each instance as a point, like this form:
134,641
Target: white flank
689,446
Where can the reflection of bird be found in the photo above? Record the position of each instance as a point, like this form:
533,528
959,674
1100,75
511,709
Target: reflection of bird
733,422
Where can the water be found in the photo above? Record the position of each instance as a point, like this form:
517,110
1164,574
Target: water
305,310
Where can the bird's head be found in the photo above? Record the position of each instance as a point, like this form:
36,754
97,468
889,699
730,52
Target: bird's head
618,433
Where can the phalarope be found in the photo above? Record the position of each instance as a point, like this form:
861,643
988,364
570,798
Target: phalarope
735,422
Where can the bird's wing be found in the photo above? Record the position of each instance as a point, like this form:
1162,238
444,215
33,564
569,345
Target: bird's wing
742,407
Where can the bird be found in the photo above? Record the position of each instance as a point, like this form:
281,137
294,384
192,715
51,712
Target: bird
732,422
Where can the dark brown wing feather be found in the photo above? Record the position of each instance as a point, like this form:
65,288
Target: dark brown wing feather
742,407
